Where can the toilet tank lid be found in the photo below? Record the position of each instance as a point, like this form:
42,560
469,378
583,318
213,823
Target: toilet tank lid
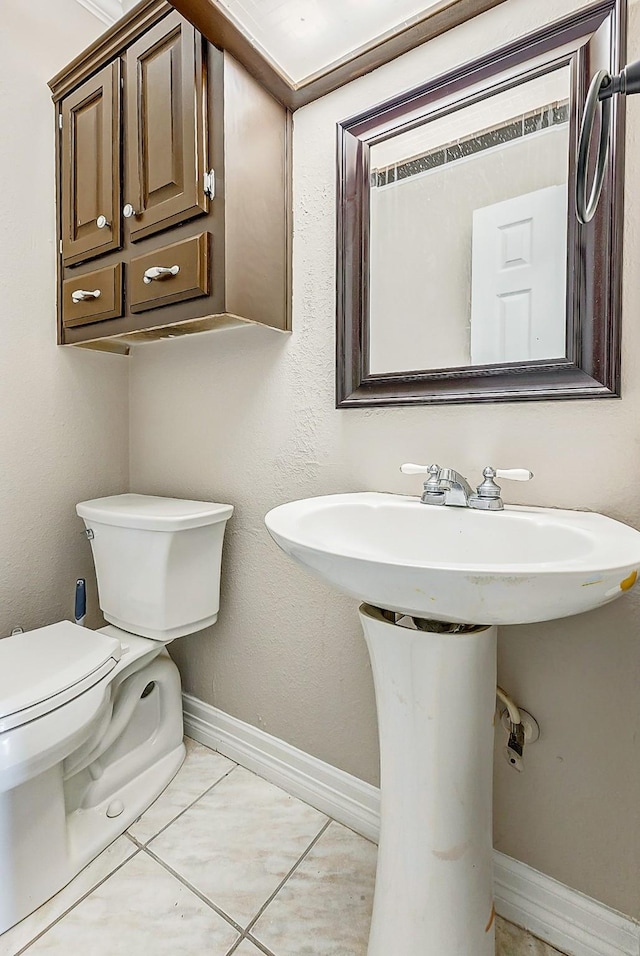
39,665
152,513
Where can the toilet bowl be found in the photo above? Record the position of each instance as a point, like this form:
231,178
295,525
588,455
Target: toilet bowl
91,721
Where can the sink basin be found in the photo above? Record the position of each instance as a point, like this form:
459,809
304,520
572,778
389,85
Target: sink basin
435,686
515,566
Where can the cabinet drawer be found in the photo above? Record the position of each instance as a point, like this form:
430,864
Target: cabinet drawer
92,297
170,274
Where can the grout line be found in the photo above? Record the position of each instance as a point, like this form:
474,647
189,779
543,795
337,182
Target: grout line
243,932
255,919
258,945
184,810
235,946
194,890
77,903
254,942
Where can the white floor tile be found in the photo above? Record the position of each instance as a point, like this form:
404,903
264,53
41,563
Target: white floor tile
239,841
201,769
140,910
18,936
324,909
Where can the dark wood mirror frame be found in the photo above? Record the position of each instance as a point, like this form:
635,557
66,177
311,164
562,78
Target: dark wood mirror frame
591,368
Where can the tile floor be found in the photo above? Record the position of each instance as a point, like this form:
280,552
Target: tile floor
222,863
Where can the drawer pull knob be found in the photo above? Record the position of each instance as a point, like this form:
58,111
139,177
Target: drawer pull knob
129,212
102,222
159,272
81,295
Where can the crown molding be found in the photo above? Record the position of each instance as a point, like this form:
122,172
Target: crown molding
106,10
218,26
216,23
109,44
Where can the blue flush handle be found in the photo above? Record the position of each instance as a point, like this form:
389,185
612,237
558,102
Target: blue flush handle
80,611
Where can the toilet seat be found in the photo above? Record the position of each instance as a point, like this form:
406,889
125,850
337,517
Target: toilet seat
43,669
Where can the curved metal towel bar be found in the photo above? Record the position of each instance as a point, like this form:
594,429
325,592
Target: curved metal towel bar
602,89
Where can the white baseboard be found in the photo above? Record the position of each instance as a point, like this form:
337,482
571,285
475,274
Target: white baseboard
347,799
569,921
562,917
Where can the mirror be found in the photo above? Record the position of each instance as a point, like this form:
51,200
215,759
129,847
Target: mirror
489,285
463,273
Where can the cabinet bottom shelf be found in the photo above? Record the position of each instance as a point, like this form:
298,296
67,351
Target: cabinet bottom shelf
121,344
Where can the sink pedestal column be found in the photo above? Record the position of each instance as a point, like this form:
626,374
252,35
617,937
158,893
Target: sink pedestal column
435,695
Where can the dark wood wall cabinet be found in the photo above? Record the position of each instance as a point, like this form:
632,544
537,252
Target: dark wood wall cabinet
173,182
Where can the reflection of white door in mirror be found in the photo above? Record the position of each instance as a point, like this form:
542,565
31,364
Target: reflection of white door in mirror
425,186
518,280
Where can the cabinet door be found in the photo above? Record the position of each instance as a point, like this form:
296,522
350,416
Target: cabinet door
90,167
165,108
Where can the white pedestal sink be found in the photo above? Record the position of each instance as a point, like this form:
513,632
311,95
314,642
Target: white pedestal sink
435,692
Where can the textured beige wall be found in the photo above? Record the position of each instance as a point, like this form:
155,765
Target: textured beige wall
63,413
248,417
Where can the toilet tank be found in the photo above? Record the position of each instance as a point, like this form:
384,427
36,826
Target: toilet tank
157,562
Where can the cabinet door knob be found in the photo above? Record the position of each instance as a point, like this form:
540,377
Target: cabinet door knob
128,211
102,222
159,272
80,295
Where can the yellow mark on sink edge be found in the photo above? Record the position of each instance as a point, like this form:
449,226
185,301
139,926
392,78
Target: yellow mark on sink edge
628,583
491,919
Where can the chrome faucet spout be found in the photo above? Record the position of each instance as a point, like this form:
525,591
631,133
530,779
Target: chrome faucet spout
457,489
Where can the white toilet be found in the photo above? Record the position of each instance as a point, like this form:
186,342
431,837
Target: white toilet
91,721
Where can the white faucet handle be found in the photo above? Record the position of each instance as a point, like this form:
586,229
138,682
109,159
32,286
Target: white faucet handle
514,474
411,469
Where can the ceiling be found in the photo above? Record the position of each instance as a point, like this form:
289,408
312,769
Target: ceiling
303,36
